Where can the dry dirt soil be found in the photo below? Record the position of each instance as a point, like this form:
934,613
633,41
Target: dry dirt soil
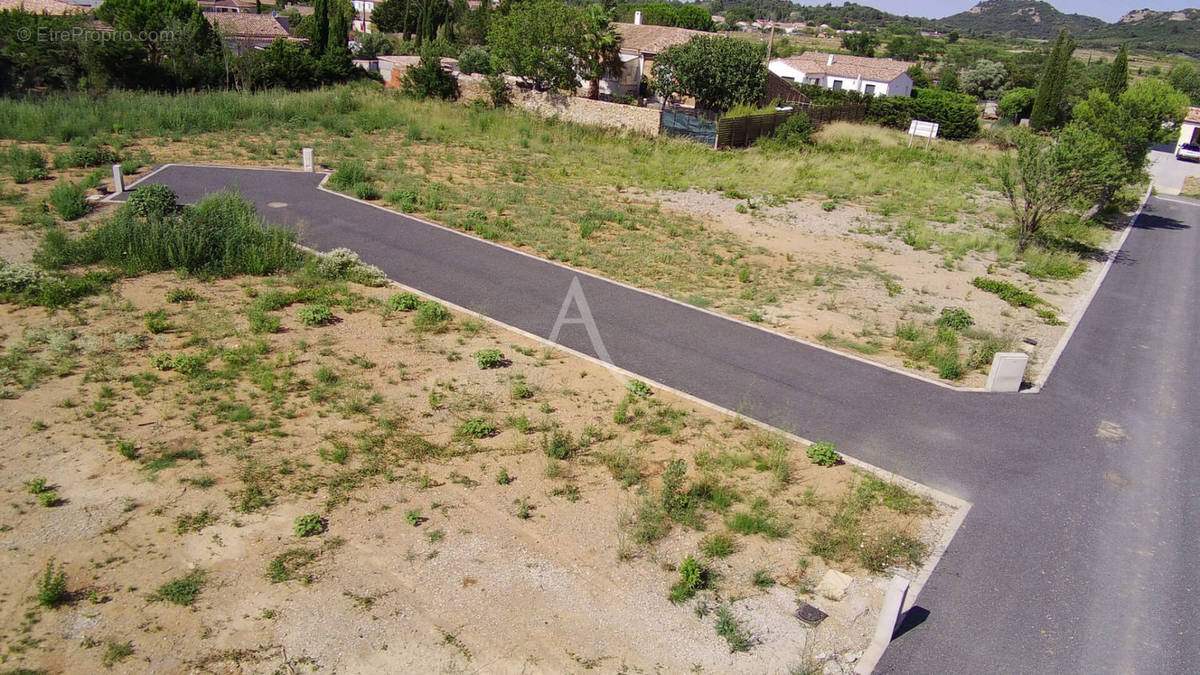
159,470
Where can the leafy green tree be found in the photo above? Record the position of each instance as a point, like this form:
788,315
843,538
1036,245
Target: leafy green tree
599,48
1118,73
948,79
340,16
538,41
38,64
719,72
693,16
1016,104
283,64
919,78
1047,106
986,80
146,20
862,43
372,45
909,47
1186,78
319,38
1046,177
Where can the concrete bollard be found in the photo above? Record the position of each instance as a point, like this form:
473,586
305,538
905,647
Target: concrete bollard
307,153
889,619
1008,371
118,179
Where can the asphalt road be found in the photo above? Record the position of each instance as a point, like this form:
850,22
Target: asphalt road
1079,554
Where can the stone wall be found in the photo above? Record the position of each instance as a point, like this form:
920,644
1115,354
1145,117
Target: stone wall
587,111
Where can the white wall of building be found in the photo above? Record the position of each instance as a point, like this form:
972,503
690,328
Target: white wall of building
1188,133
901,86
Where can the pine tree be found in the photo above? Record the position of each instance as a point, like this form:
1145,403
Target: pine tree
1118,74
1047,106
320,34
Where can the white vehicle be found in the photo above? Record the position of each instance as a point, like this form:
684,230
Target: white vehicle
1188,152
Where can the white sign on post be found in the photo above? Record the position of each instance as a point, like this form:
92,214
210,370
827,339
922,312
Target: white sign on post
927,130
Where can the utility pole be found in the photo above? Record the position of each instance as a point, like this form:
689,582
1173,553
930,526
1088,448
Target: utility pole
770,42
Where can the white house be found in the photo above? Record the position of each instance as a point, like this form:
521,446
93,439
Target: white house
640,43
879,77
362,16
1189,130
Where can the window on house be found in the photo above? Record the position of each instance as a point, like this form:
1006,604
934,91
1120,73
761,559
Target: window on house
870,89
837,84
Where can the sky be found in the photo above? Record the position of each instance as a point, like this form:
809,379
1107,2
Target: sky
1109,10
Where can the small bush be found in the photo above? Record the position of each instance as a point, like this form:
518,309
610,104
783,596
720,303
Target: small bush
432,316
558,444
475,59
498,92
404,302
315,315
693,576
261,322
153,202
413,517
127,449
181,591
342,264
348,174
85,157
956,318
489,358
36,486
157,322
795,132
366,191
638,387
824,453
52,586
26,164
178,295
428,79
476,427
116,652
308,525
69,201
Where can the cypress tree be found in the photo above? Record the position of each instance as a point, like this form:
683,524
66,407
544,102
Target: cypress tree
1118,74
320,34
339,26
1047,105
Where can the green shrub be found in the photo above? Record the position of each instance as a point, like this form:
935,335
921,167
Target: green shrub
116,652
693,576
476,427
52,586
342,264
308,525
366,191
428,79
261,322
26,164
489,358
728,628
181,590
796,131
404,302
558,444
153,202
432,316
178,295
638,387
315,315
286,565
824,453
348,174
69,201
85,157
413,517
955,318
499,94
475,59
36,486
756,521
404,199
127,449
157,322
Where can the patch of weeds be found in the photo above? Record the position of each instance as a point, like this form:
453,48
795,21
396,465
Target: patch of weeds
569,492
308,525
624,464
523,509
157,322
476,427
116,652
181,591
434,536
823,453
1007,292
693,577
465,481
36,486
558,444
52,586
758,520
413,517
728,627
519,390
194,522
287,565
640,388
717,545
762,579
955,318
432,316
502,477
314,315
127,449
178,295
403,302
489,358
872,490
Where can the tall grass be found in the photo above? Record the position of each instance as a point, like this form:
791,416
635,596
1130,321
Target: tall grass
220,236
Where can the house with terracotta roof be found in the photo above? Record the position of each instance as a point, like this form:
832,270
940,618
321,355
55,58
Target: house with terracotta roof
244,32
865,75
640,43
43,6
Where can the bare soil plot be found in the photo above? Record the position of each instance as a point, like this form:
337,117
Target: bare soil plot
526,517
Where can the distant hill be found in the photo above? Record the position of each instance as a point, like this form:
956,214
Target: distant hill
1169,31
1023,18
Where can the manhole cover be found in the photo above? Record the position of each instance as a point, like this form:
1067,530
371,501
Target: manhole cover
276,205
809,615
